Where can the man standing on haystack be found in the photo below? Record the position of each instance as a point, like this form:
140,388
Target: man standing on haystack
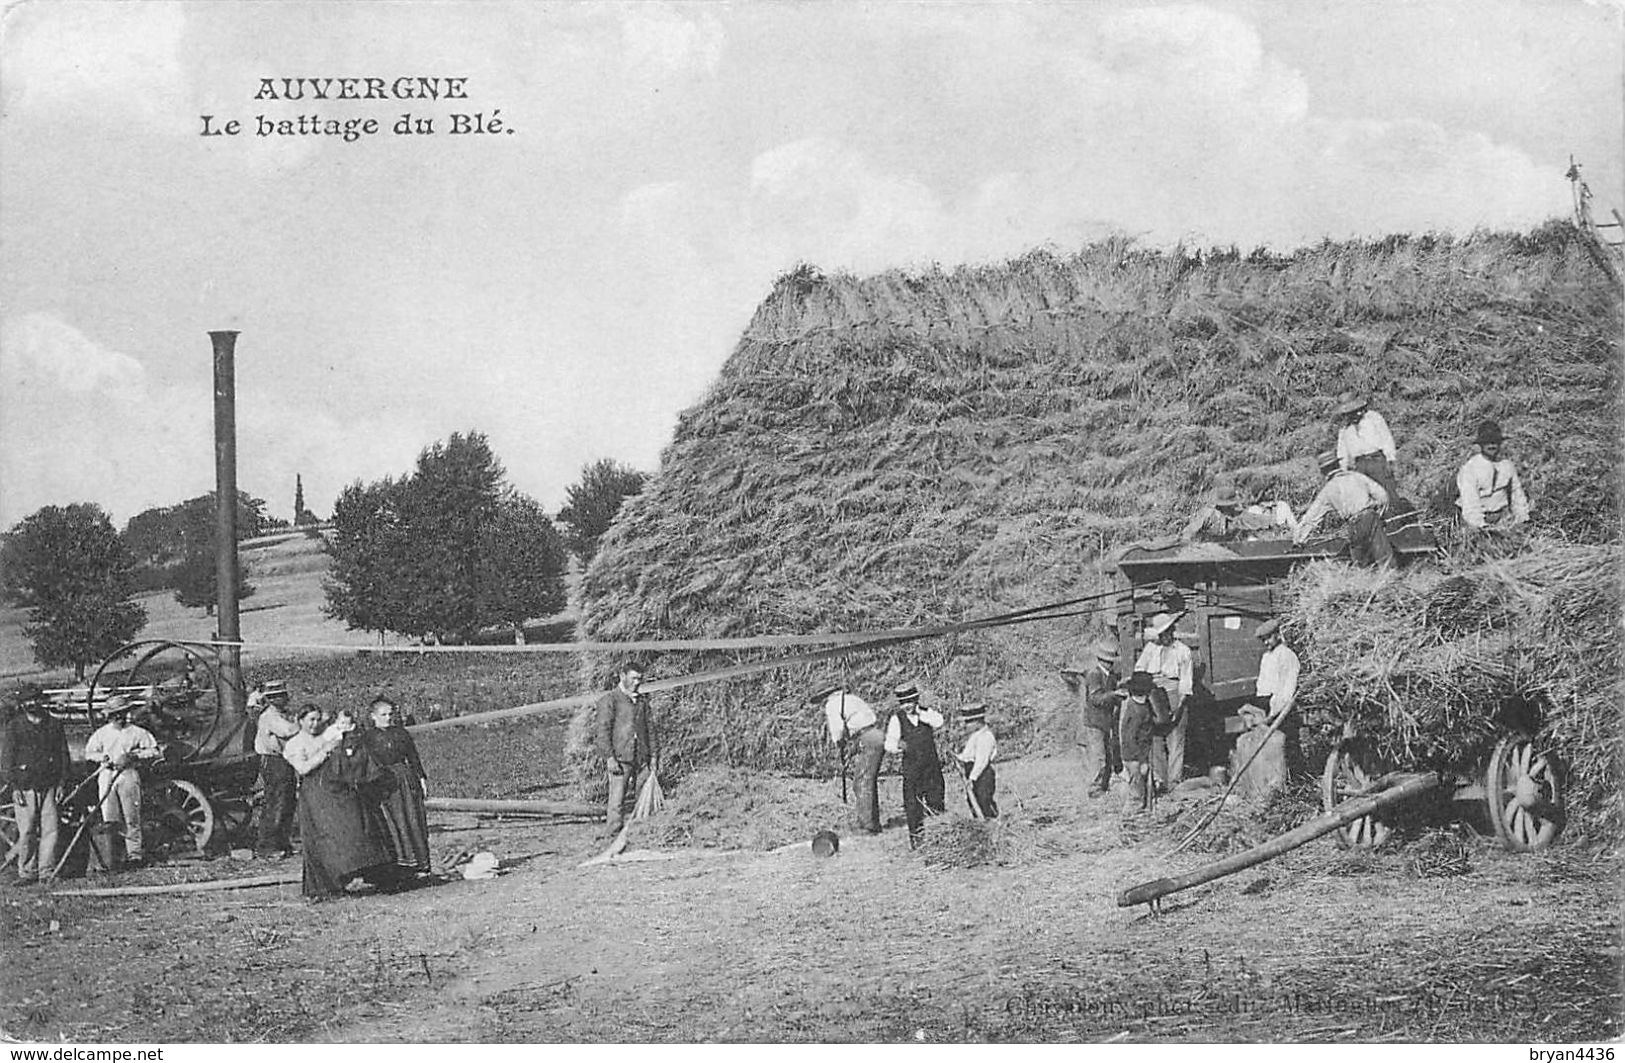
1101,700
850,719
1364,443
1173,671
622,739
1360,501
912,732
1488,491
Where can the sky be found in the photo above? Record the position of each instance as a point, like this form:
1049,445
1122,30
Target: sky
569,284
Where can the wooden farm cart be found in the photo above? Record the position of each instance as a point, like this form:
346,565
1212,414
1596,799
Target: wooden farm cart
1517,788
1224,591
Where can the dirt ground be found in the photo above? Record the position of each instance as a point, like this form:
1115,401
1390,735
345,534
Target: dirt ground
868,945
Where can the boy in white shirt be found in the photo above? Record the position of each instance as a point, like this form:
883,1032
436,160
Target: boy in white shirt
120,747
976,761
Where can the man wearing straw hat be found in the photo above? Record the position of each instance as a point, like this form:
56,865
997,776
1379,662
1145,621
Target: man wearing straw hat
1101,700
850,719
120,748
1359,501
1173,671
33,765
271,733
1227,517
1488,492
976,760
622,734
912,732
1277,691
1364,443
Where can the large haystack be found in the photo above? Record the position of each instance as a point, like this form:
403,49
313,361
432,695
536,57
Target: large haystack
920,447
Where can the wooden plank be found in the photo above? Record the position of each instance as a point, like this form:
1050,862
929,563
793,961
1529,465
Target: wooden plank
250,882
534,808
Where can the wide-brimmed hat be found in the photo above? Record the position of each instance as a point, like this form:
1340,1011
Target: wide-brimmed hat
275,688
1158,624
823,693
1106,651
1140,684
1351,402
1268,628
116,705
906,691
974,713
1328,461
1224,494
1488,432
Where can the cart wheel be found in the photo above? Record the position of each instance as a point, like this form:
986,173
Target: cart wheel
1523,787
178,813
1344,778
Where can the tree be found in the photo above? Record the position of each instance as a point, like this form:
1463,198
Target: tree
448,550
590,505
365,584
163,537
522,562
195,582
299,514
72,571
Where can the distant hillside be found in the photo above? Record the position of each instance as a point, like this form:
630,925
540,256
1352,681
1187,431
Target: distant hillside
929,446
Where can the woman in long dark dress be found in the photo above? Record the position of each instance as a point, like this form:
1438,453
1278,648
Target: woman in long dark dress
406,823
337,827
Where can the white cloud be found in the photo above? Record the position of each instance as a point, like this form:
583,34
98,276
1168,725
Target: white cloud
818,200
39,348
111,59
660,41
80,422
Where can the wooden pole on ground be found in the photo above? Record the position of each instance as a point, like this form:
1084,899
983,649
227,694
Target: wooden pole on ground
284,879
534,808
1405,788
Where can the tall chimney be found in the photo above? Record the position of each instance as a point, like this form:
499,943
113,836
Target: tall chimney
229,658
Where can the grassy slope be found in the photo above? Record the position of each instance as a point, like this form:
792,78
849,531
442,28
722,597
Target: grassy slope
921,447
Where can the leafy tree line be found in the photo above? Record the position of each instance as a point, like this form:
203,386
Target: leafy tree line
445,551
173,547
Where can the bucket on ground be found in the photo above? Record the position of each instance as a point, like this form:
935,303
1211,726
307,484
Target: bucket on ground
826,843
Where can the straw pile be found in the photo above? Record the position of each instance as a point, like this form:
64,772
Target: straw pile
1433,664
726,808
952,841
927,446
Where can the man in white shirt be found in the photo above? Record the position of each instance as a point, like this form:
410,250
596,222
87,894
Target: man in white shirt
1488,491
1357,499
912,732
1364,443
120,747
976,761
849,719
271,733
1276,692
1172,669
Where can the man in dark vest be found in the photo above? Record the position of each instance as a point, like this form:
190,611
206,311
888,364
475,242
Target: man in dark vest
622,732
912,732
33,764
